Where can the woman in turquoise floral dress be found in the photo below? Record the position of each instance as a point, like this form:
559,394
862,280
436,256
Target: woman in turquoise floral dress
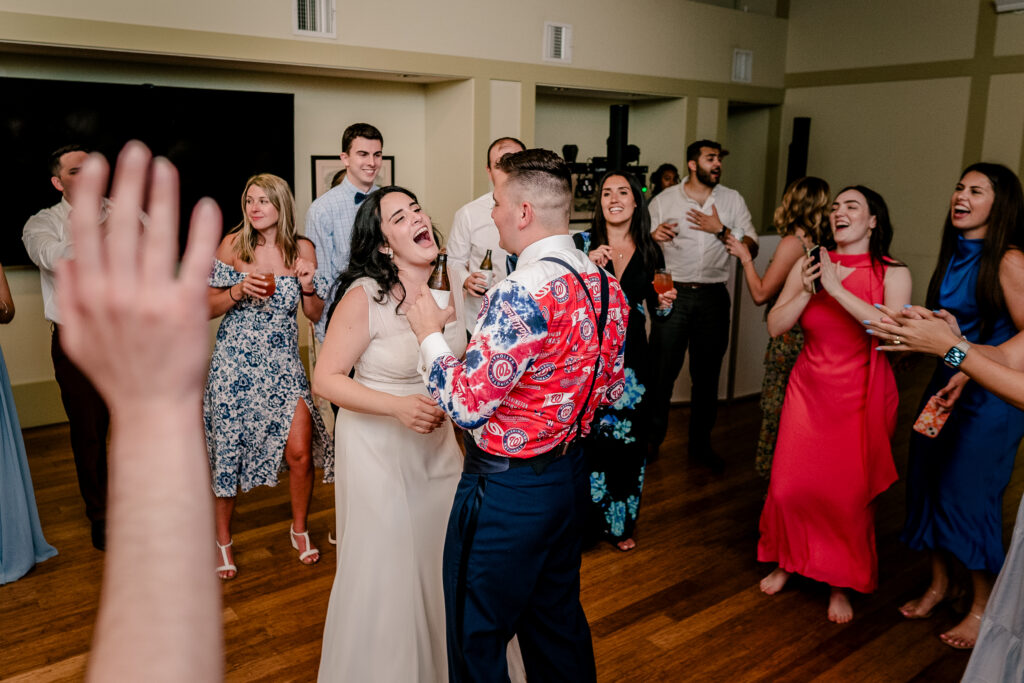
257,407
616,450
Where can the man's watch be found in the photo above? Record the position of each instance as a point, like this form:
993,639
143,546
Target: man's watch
721,233
956,354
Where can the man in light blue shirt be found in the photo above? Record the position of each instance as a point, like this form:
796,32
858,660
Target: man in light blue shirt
330,218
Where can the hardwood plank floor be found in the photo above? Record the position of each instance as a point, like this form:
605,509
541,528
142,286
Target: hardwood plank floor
683,606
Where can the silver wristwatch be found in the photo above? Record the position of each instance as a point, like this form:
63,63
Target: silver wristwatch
956,354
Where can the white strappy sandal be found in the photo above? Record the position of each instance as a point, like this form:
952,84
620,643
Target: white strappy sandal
227,566
310,550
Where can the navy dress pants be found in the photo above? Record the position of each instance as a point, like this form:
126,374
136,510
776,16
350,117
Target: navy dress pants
512,567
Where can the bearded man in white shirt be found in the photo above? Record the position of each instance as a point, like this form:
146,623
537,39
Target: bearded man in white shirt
692,220
474,233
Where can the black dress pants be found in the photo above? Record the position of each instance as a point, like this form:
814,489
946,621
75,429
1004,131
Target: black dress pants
88,419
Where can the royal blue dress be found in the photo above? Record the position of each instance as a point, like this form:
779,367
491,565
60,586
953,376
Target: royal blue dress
955,481
21,537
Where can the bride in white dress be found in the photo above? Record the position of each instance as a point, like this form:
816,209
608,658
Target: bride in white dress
397,460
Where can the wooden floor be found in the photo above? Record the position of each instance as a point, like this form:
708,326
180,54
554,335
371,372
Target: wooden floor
683,606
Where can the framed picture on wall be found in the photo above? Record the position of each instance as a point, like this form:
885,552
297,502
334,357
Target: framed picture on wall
326,169
584,199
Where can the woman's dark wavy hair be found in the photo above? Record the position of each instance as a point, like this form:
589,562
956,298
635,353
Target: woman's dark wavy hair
1005,231
881,236
639,227
366,258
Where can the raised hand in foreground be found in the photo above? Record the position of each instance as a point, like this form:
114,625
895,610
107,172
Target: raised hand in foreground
139,332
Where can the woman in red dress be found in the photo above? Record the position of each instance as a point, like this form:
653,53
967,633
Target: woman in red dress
833,455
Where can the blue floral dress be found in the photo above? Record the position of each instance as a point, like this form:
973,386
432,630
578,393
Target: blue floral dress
616,449
256,379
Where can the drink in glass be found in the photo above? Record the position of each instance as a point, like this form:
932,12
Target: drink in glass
265,278
662,281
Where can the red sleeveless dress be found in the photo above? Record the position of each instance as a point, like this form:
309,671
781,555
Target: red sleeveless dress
833,455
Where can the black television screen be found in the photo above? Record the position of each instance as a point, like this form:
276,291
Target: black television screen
216,138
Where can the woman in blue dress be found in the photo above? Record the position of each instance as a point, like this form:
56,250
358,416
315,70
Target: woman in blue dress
21,537
955,481
257,407
620,241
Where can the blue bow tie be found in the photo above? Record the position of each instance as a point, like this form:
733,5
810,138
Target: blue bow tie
359,198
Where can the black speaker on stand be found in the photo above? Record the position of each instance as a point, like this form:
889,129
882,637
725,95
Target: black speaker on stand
796,165
617,134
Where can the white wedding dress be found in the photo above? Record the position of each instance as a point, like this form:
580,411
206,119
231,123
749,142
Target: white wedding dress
393,493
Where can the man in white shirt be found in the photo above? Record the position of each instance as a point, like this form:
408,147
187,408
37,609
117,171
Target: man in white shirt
692,219
47,240
474,233
330,218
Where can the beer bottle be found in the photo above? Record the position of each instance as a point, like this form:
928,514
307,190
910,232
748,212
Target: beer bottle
438,283
487,268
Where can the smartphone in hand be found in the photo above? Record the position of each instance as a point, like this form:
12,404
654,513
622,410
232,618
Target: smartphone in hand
814,253
932,418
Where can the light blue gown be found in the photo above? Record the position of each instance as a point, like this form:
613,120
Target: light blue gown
21,537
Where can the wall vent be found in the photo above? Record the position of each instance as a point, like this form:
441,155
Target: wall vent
313,18
557,42
742,66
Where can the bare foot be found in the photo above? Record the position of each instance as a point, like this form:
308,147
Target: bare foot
965,634
773,583
922,607
626,544
839,609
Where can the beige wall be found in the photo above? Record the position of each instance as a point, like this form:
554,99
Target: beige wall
1004,121
902,139
840,34
744,168
943,94
664,37
1010,34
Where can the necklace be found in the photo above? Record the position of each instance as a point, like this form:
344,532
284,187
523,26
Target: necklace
621,248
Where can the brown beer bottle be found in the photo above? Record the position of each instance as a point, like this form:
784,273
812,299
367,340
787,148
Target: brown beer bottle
487,268
438,283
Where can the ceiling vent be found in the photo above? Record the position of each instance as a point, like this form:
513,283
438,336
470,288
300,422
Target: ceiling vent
557,42
742,66
313,18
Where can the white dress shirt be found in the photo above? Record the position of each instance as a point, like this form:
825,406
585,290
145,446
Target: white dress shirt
47,240
694,255
473,233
